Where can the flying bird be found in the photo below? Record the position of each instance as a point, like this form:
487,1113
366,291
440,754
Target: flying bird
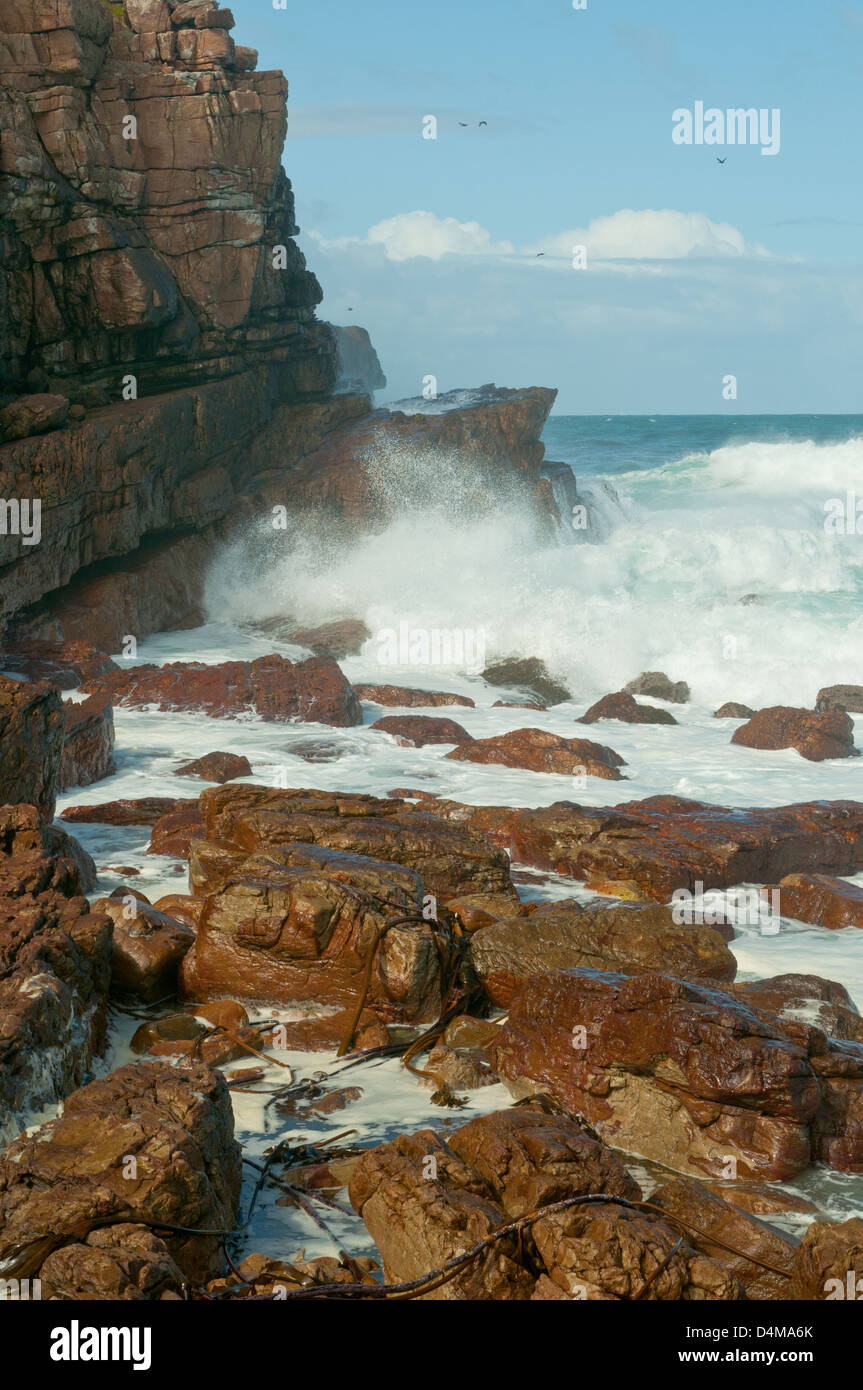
540,253
483,122
721,161
463,123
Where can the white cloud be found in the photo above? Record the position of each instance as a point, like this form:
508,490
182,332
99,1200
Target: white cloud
627,235
423,234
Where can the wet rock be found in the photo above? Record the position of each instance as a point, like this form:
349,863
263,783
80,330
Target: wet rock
173,833
730,710
657,685
847,697
186,1035
296,924
416,730
824,1003
665,843
461,1058
822,901
537,750
837,1129
149,1143
145,810
64,664
632,937
216,767
88,746
32,729
451,859
123,1262
475,910
829,1262
815,736
406,698
625,708
529,674
54,968
345,637
706,1215
33,415
676,1072
148,945
272,687
519,704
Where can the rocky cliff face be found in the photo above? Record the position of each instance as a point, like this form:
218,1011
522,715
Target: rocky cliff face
146,222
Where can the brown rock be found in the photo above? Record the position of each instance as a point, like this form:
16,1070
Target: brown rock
216,767
519,704
33,415
825,1003
829,1262
631,937
847,697
406,698
145,810
122,1262
296,924
173,833
665,843
657,686
416,730
730,710
625,708
64,664
675,1072
274,688
344,637
88,748
75,1175
815,736
706,1215
31,744
530,674
148,945
54,968
823,901
537,750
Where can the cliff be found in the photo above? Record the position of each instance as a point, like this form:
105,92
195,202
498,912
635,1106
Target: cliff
162,372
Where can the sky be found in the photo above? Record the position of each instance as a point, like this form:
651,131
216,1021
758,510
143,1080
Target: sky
689,272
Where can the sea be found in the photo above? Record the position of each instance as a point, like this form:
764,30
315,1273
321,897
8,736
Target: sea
725,551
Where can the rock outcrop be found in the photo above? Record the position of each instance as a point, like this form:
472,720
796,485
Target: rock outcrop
815,736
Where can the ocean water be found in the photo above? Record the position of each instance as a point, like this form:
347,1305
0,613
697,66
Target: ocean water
706,556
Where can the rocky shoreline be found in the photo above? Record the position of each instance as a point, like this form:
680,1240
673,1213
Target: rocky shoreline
615,1115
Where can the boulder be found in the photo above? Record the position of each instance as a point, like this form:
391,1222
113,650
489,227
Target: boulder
272,687
847,697
730,710
124,1262
416,730
32,730
706,1215
529,674
815,736
88,746
33,415
538,750
656,685
676,1072
665,843
302,925
404,697
149,1143
821,901
216,767
625,708
829,1262
631,937
148,945
55,958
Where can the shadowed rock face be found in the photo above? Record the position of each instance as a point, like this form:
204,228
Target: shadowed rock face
32,731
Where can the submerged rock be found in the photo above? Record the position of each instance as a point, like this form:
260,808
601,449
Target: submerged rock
529,674
815,736
658,686
216,767
272,687
537,750
407,698
416,730
626,708
730,710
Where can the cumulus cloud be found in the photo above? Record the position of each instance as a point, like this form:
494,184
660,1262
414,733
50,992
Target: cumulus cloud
627,235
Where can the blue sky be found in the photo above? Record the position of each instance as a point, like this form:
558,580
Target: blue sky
695,270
